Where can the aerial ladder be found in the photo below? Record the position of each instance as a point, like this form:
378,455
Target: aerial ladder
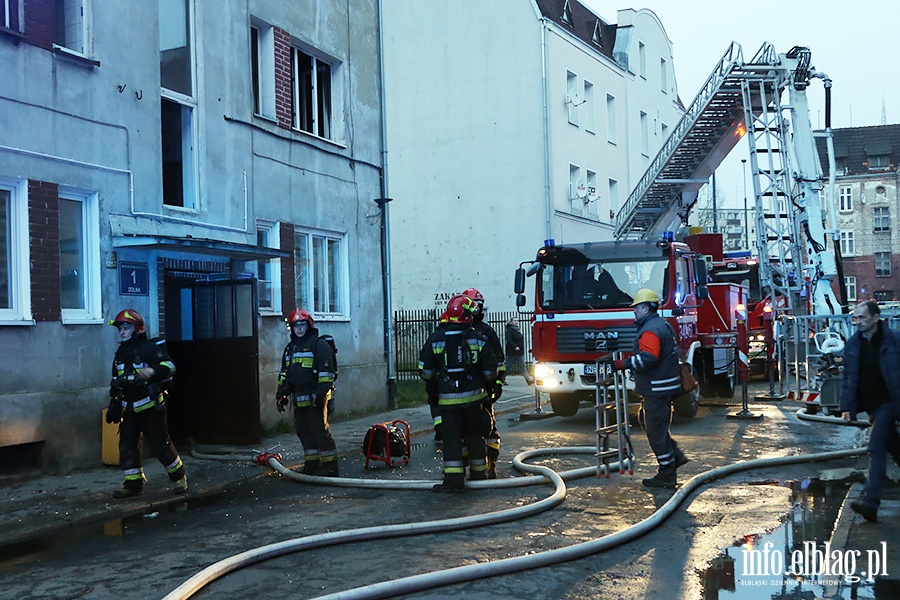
746,98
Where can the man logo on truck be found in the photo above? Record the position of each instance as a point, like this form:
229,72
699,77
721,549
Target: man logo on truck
600,338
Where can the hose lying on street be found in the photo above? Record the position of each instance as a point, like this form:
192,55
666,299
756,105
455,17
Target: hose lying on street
802,414
408,585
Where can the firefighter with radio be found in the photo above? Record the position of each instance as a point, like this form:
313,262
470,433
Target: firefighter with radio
306,382
657,377
495,389
457,357
141,373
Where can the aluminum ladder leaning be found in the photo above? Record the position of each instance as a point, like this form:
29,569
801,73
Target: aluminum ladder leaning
611,419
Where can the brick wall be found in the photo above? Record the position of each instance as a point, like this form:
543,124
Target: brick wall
283,89
288,292
43,229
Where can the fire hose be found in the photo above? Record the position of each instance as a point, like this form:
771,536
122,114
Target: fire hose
408,585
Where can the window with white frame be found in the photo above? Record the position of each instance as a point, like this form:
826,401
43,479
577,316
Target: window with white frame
613,198
850,285
268,275
645,134
845,198
610,119
663,75
590,199
882,218
882,264
72,25
572,99
320,272
848,247
312,83
576,184
262,61
642,59
10,16
878,162
589,110
79,256
178,104
15,277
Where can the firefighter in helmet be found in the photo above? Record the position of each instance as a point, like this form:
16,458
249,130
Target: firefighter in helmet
456,356
306,381
141,373
432,394
657,377
495,389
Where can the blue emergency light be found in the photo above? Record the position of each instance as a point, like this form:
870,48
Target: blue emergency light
550,243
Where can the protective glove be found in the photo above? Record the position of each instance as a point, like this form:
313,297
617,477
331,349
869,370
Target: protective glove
497,391
281,403
320,400
619,365
114,411
283,391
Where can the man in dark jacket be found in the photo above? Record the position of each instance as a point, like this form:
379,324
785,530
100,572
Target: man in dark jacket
140,371
457,357
306,381
871,384
657,377
515,349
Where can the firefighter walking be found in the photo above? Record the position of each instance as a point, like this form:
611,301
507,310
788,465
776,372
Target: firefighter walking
140,372
456,356
495,388
306,381
657,378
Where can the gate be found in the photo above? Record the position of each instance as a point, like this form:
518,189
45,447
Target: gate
412,328
211,330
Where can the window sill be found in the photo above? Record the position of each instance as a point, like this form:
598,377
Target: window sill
316,137
11,34
17,322
76,57
78,320
270,119
331,318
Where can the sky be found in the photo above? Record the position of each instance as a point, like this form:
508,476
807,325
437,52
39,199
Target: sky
857,44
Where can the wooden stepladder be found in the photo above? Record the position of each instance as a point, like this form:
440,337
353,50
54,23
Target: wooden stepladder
611,419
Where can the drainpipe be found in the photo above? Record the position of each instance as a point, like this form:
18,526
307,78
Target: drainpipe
383,204
548,197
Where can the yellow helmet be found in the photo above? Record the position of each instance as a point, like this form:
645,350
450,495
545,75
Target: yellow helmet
645,295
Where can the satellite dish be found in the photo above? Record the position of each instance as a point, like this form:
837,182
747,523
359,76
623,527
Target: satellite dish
592,195
581,190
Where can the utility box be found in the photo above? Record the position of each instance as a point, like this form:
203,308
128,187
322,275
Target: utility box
109,438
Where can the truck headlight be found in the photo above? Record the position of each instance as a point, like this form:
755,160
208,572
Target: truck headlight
542,371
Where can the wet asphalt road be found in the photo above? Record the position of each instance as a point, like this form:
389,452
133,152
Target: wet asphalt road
149,556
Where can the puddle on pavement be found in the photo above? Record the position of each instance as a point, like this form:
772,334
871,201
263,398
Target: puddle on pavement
38,548
760,566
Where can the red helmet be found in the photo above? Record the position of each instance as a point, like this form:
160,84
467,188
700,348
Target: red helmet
444,318
474,295
460,309
129,315
300,314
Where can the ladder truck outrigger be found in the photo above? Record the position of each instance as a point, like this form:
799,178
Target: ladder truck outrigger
583,291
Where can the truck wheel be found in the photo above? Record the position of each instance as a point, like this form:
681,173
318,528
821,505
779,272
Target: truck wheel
687,405
724,385
564,405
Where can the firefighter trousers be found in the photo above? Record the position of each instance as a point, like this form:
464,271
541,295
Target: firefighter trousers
463,423
151,423
315,434
657,415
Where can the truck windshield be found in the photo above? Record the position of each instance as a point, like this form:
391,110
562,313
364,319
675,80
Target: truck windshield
747,275
607,284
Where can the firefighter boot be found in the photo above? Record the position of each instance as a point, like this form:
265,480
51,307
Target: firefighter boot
664,478
310,466
328,469
454,483
492,455
180,485
128,492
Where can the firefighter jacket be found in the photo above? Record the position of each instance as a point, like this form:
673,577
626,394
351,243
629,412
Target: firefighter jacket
493,341
307,370
655,360
888,362
464,376
135,354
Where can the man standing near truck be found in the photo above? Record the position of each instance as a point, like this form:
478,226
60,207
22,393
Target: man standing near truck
657,378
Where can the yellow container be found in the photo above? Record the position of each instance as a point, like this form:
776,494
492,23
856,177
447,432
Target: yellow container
109,437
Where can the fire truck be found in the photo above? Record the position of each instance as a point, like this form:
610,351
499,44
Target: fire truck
583,296
583,291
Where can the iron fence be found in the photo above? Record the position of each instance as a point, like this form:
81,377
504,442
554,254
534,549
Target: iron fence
412,328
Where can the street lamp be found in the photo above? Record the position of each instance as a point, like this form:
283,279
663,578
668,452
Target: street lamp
746,222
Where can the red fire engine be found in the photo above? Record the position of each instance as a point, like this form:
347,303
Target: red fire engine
583,296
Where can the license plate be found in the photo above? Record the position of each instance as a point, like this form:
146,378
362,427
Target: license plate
591,369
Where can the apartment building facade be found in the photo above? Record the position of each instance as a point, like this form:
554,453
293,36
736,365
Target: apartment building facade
209,164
